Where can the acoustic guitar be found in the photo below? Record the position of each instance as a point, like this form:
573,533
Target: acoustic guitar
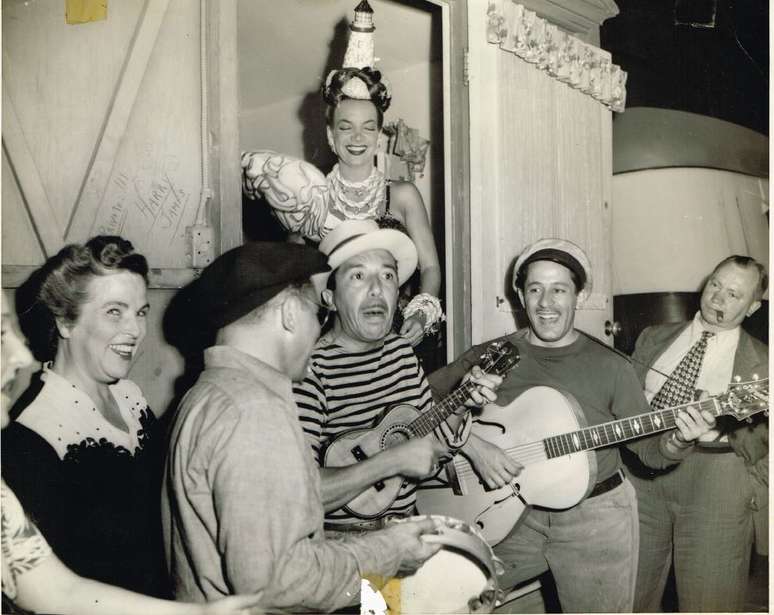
400,423
544,430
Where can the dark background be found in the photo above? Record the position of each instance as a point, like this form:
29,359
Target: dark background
709,57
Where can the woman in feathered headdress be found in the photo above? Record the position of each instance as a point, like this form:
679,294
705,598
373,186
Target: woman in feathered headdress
305,202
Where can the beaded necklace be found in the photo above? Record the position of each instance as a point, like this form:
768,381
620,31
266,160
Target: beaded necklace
356,200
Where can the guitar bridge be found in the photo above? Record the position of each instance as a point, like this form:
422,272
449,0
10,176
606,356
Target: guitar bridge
360,455
453,478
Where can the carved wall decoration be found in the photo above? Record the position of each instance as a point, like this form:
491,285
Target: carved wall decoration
584,67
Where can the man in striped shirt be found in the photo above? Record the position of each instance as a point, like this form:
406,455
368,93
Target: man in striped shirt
361,367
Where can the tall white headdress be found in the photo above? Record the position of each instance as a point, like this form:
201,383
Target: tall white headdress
360,51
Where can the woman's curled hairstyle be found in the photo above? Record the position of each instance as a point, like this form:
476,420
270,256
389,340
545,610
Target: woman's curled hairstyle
65,276
378,90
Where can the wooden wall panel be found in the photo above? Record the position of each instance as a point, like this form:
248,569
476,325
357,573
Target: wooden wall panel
109,125
542,166
19,240
60,79
153,189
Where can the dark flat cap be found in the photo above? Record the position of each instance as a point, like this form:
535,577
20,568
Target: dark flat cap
246,277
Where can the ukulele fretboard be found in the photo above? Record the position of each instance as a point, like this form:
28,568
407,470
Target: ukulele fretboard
428,421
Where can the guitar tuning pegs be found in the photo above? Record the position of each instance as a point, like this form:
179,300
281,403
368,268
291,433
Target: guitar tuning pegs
737,379
755,376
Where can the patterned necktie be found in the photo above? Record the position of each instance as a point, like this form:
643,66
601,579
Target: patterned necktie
679,387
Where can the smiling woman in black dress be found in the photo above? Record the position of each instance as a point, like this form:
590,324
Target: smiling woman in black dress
85,457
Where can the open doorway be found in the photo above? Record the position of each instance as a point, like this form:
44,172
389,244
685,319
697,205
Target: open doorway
285,50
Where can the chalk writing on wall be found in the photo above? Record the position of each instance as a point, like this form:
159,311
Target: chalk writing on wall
145,204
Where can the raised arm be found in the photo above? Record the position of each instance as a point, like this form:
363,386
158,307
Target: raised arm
406,200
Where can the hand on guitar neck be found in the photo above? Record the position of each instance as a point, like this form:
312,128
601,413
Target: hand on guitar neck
485,389
483,393
692,424
714,432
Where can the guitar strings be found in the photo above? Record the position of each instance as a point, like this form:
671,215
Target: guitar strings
532,452
536,451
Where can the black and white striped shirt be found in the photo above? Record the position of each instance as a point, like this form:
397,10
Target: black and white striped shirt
351,390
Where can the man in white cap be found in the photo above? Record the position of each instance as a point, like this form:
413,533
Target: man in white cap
360,368
591,548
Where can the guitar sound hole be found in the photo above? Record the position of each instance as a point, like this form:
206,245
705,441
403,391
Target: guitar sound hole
394,437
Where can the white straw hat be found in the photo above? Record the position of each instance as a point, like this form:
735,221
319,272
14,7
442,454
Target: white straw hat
353,237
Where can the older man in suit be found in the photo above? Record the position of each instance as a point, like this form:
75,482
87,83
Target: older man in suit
704,513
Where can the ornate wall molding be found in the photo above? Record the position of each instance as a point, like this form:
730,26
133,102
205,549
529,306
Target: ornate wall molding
580,18
584,67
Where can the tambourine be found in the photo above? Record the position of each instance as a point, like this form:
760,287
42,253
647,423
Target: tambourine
460,578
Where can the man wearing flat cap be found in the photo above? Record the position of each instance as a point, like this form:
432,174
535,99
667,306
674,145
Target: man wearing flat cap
591,548
360,368
241,500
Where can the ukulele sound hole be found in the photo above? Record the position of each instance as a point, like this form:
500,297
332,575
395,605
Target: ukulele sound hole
397,434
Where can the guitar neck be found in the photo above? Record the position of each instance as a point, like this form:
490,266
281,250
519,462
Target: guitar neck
613,432
431,419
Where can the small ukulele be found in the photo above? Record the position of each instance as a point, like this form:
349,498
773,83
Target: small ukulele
400,423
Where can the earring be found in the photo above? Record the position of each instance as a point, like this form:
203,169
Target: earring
327,299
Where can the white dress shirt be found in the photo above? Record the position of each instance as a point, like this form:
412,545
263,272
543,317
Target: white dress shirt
717,367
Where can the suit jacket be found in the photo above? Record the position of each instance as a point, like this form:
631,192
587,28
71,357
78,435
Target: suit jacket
749,441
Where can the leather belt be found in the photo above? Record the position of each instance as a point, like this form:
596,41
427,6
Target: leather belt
721,447
606,485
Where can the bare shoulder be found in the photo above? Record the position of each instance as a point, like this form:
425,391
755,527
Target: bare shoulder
405,195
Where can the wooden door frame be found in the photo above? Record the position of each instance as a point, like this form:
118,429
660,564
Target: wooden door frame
223,98
456,110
